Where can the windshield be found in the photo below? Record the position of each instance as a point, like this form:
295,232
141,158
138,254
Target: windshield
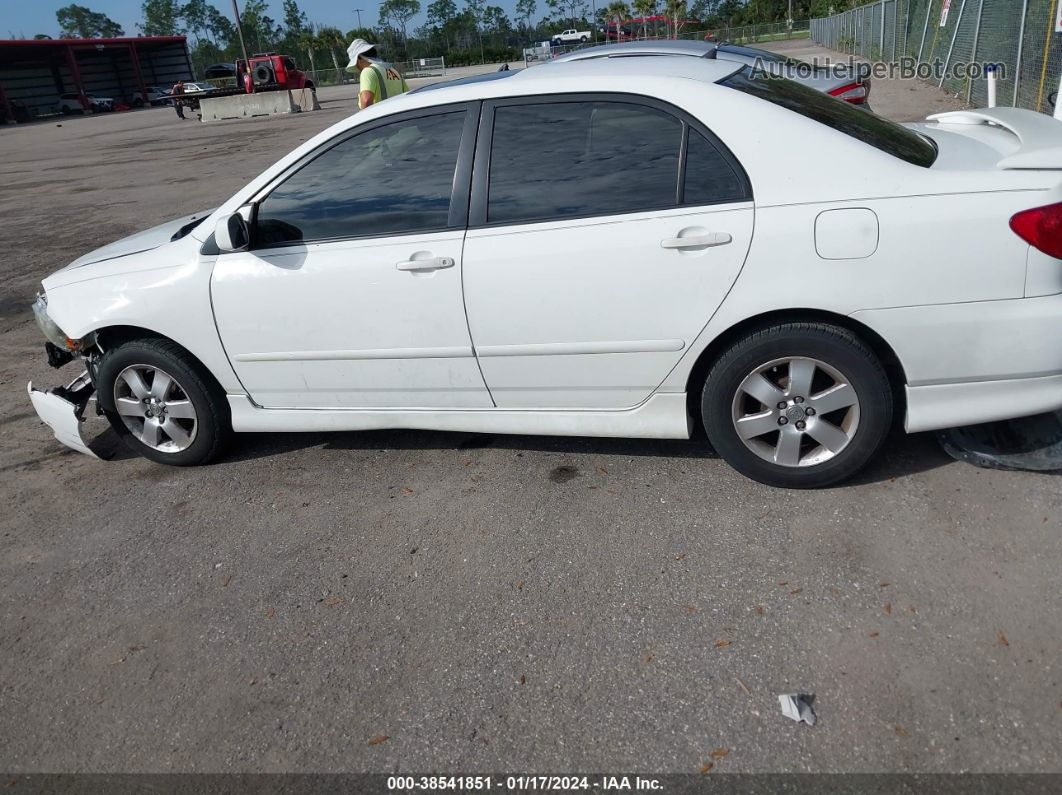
862,125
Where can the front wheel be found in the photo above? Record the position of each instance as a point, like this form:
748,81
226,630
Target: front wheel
797,405
161,403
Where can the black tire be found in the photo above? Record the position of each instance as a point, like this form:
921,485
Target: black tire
138,103
213,426
831,346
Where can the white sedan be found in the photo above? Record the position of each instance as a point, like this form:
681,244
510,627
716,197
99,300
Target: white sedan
553,252
71,103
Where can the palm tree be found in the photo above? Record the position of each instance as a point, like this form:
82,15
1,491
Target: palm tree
331,38
617,11
645,8
308,41
676,9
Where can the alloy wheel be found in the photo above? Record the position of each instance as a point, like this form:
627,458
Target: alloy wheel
155,408
796,411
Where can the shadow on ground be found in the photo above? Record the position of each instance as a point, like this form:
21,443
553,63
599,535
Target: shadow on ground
901,457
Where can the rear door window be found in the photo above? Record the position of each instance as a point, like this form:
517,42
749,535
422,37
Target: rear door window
869,128
563,159
710,178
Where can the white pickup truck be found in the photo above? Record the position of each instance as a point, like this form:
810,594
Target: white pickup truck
570,36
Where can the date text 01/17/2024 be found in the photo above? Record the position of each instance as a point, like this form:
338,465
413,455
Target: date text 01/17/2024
522,783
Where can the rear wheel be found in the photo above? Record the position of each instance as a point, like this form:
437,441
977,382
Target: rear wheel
161,403
797,405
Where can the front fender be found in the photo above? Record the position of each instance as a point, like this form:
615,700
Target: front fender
165,291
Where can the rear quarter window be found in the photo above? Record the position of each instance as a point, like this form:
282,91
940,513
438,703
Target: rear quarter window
871,129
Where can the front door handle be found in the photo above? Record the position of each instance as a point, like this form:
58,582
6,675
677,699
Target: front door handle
429,264
697,241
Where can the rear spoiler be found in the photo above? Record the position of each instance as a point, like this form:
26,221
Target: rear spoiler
1040,136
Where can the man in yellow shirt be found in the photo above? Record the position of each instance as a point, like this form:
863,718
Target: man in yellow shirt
379,80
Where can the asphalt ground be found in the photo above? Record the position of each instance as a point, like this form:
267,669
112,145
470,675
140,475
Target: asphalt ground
485,603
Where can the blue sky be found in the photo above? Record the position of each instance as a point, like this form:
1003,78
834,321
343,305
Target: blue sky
28,18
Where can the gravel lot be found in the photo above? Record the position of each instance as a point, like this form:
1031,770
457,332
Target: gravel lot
487,604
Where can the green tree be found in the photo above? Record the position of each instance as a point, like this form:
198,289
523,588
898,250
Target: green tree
83,23
495,20
475,10
497,24
295,20
222,30
195,15
441,17
161,18
525,9
309,42
645,8
401,11
441,11
617,12
576,10
331,38
676,10
260,31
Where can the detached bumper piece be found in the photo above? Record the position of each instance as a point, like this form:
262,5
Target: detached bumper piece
1028,443
63,410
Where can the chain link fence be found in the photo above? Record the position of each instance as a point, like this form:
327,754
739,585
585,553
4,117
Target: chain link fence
949,42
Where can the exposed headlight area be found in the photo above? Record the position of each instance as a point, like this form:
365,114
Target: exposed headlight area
48,327
61,348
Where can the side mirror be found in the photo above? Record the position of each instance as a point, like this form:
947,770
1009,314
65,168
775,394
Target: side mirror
232,234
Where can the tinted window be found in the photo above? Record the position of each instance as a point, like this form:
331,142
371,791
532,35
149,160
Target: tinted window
867,127
709,177
554,160
395,178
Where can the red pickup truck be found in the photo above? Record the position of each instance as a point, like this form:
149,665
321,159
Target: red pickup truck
269,71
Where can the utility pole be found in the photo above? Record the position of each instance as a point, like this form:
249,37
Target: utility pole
358,12
243,47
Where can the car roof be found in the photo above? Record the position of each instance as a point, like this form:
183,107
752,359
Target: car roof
464,81
566,76
640,66
696,49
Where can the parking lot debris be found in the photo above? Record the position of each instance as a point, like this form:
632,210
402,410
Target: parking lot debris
797,706
1027,443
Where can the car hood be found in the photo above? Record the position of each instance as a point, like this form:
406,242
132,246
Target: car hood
141,241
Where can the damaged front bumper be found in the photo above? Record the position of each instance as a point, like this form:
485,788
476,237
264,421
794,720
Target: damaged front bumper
63,410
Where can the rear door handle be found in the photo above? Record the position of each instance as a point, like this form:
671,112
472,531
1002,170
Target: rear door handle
697,241
430,264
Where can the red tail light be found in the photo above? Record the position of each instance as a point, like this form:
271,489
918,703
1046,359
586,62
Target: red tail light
1041,228
856,93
